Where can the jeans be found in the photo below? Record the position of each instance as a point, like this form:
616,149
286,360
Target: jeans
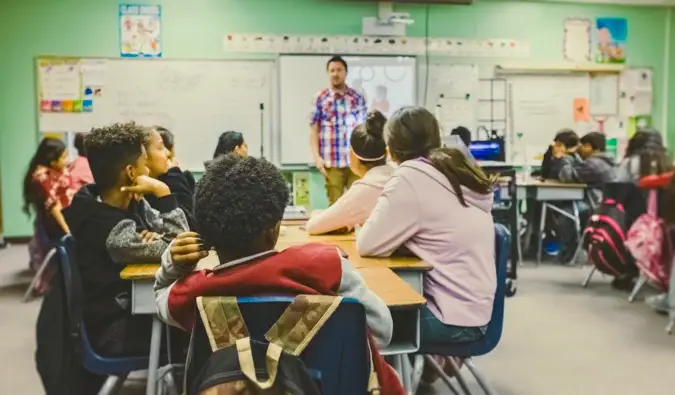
434,333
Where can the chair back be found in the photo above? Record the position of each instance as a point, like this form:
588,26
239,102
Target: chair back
494,330
337,356
91,361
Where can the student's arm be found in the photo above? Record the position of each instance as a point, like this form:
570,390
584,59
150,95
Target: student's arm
394,220
58,216
127,246
166,218
347,211
378,316
314,132
565,170
188,253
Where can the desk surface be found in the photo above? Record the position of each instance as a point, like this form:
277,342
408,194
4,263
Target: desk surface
386,284
533,182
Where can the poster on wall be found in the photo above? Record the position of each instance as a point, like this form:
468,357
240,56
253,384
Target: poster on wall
611,35
140,30
59,85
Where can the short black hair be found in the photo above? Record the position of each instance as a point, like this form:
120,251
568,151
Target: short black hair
167,136
237,201
463,133
338,59
78,142
110,149
227,142
596,140
567,137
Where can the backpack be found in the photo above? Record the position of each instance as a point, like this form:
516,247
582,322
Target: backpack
604,238
648,242
240,365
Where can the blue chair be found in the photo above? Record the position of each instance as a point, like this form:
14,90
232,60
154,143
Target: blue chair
494,331
337,357
117,369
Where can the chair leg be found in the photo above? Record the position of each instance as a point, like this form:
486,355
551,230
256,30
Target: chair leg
480,378
38,275
636,289
170,384
669,328
542,227
113,385
588,277
417,370
430,360
458,375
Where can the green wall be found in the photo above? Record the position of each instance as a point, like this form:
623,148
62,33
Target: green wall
194,29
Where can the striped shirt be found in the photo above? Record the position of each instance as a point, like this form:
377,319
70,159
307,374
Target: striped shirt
337,115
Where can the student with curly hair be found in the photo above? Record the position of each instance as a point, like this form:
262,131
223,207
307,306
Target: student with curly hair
114,226
239,205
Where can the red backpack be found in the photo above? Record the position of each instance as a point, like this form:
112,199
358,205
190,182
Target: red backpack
604,237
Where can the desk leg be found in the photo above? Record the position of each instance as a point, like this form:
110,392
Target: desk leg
542,227
155,350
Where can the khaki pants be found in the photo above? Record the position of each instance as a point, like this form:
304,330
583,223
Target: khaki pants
337,181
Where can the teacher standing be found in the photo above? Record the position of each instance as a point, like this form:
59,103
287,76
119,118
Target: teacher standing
336,111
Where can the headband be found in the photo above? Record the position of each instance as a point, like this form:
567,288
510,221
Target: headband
367,159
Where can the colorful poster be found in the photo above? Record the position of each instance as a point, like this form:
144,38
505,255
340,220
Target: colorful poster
59,84
140,30
301,189
611,40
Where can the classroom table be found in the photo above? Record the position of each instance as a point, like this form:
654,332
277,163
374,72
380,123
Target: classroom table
402,293
548,191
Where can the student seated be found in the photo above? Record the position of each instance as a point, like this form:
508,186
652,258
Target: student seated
239,205
170,143
47,190
596,166
564,148
79,169
114,226
437,206
229,142
160,167
368,160
645,155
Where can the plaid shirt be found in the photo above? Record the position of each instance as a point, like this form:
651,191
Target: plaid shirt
337,115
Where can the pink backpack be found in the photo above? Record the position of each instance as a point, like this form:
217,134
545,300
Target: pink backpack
646,240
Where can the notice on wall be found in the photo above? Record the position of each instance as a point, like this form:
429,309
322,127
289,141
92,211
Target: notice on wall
140,30
577,41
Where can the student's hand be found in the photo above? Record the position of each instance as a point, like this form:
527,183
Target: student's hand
144,185
188,249
321,165
558,151
148,236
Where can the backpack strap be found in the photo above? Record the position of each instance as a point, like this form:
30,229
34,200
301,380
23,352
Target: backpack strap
222,320
301,321
248,367
373,381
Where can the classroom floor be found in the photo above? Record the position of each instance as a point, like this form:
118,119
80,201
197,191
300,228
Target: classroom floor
559,339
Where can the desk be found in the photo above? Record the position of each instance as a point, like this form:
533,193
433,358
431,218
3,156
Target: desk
402,294
548,190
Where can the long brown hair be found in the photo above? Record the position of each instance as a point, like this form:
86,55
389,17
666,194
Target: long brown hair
413,133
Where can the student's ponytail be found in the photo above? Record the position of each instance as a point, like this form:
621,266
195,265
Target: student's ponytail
455,166
367,140
413,133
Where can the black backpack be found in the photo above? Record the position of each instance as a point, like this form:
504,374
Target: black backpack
604,237
240,365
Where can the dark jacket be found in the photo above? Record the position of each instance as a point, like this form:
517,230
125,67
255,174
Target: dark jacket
108,239
552,167
597,169
182,186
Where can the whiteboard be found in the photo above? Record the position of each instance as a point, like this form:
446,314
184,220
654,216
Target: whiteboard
302,77
196,99
540,106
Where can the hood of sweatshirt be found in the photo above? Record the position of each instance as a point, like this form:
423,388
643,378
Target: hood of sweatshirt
88,214
422,166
